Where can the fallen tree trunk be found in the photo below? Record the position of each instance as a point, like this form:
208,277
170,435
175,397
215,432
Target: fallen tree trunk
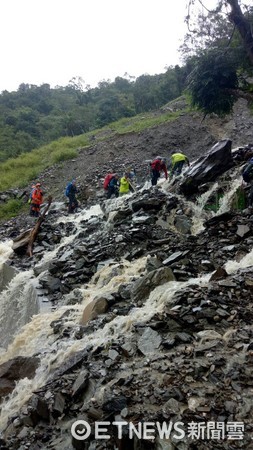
28,237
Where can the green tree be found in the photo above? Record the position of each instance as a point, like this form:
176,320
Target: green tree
212,83
221,62
241,20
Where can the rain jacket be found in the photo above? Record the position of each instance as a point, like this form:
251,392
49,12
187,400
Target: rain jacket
158,165
37,196
124,186
176,157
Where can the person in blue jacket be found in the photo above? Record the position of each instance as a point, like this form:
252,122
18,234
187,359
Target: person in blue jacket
71,192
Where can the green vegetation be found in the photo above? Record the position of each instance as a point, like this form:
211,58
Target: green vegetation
141,122
20,171
219,55
41,126
11,209
37,115
211,73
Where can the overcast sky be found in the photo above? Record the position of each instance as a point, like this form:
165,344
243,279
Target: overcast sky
52,41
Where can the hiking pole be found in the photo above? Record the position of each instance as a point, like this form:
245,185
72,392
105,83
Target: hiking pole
131,187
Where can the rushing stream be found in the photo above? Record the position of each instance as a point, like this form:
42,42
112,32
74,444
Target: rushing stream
25,328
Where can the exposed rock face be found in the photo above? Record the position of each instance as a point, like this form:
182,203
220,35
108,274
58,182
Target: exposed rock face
142,287
14,370
208,167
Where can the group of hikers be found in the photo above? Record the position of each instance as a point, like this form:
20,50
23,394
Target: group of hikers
36,198
158,165
116,186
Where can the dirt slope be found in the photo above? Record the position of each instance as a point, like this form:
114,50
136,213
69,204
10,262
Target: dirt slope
188,133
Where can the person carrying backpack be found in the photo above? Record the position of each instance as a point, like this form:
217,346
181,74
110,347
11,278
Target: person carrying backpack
111,185
157,166
247,175
70,192
36,200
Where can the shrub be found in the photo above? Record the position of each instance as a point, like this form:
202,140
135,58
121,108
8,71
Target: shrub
63,155
10,208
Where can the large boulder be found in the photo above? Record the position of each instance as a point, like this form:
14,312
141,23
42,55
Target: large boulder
14,370
208,167
143,286
97,306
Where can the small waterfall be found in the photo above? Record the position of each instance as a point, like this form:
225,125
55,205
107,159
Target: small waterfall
246,261
19,301
5,251
85,214
39,334
199,215
32,331
18,304
225,201
224,204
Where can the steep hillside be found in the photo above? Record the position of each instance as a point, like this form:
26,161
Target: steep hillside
188,133
109,149
136,309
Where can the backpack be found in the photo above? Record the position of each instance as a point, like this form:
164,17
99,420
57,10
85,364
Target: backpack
107,180
247,173
67,191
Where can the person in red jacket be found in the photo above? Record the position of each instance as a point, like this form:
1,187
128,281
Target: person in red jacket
36,200
157,166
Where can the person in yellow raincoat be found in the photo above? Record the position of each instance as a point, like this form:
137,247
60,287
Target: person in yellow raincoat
177,162
125,185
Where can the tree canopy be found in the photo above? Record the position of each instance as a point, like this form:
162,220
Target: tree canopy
217,66
35,115
219,48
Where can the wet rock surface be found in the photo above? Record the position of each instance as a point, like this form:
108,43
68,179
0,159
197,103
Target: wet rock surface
208,167
155,322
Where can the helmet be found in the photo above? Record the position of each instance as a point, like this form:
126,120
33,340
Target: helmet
37,185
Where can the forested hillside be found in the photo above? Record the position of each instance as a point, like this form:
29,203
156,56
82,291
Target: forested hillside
217,69
37,115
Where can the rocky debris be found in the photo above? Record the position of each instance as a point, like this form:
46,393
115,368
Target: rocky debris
143,286
10,194
103,241
190,360
14,370
208,167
